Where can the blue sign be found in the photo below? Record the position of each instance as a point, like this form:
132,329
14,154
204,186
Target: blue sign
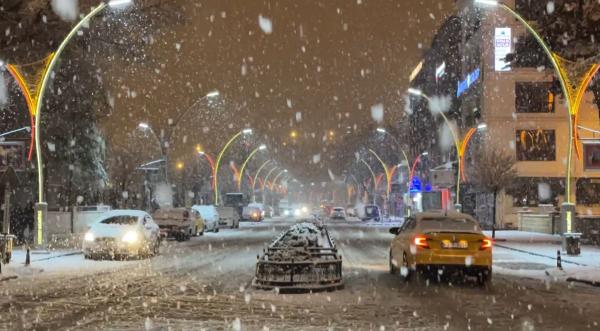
415,186
467,82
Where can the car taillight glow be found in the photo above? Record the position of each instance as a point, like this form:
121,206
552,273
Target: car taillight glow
421,241
486,243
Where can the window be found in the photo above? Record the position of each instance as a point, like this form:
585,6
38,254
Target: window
591,154
533,191
587,191
534,97
120,220
536,145
448,225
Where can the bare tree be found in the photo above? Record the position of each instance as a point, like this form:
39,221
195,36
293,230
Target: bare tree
493,171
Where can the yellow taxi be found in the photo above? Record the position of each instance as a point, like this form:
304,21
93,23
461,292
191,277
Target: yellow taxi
445,242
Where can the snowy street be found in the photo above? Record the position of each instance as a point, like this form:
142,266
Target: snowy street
204,283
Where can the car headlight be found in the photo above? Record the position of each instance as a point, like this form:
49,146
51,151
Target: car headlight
297,212
304,209
88,236
286,213
130,237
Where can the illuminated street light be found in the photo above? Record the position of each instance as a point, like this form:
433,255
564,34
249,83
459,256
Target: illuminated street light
491,3
256,178
180,165
425,153
241,174
119,3
415,91
482,126
212,94
41,206
143,126
218,163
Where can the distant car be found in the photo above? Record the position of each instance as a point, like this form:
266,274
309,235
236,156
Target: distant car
228,217
122,233
253,214
179,223
443,242
301,211
210,215
338,213
286,211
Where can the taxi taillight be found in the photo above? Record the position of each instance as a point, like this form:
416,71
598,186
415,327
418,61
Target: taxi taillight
485,244
421,241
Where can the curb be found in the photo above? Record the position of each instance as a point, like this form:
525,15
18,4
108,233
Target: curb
541,255
56,256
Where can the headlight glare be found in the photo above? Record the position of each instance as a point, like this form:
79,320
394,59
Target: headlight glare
130,237
88,236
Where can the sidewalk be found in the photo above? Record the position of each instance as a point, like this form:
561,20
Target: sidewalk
534,255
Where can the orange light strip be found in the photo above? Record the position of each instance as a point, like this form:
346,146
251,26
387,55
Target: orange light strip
580,93
463,148
30,105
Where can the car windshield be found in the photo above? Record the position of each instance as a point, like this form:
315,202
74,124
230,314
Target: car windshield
120,220
267,147
448,225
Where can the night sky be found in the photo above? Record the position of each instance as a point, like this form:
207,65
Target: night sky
322,68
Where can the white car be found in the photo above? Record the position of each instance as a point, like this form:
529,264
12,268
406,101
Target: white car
122,233
210,215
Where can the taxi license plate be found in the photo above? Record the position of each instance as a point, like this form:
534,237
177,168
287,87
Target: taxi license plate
462,244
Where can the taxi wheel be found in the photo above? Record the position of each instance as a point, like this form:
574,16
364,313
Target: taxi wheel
405,269
484,277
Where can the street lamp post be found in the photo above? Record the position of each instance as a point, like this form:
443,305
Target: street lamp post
573,97
266,180
218,162
385,132
241,175
163,152
256,178
41,206
273,183
388,178
420,93
373,178
211,164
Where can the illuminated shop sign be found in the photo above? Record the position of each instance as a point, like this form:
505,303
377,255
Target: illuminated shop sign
467,82
502,47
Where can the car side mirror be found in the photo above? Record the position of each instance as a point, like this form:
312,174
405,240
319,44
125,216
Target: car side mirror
395,231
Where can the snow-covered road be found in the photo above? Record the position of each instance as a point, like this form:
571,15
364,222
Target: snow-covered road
203,284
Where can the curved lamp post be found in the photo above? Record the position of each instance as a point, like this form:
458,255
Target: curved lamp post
41,206
146,127
573,97
385,132
218,162
373,178
256,178
241,175
265,181
211,163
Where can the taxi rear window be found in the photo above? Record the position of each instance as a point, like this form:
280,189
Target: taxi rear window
448,224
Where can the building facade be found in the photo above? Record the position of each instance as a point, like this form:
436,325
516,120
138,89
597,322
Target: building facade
524,113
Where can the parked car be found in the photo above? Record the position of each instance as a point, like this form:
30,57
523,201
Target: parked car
122,233
446,241
228,217
210,215
179,223
371,212
338,213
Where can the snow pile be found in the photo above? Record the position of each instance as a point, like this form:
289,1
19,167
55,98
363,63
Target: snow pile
67,10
